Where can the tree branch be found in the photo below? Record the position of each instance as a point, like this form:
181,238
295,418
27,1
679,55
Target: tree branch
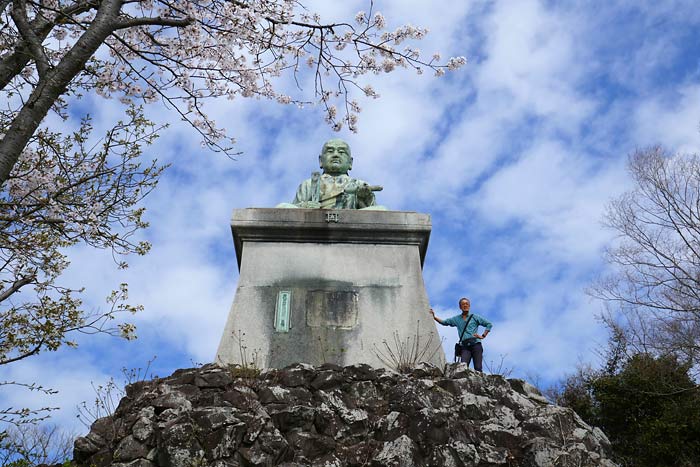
18,284
3,5
155,21
19,16
48,90
12,64
29,353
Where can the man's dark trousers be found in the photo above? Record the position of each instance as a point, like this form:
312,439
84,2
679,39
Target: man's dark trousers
473,352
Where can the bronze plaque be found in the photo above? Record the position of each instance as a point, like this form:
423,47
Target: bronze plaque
334,308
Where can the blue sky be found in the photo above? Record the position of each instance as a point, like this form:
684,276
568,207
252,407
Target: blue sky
514,156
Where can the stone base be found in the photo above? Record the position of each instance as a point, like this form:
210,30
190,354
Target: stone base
329,287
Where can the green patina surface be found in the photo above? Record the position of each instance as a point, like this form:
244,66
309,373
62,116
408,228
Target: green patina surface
334,188
282,311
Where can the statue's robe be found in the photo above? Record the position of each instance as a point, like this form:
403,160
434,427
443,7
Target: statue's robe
332,192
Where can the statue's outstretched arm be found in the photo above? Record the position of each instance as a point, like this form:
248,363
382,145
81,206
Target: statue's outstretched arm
364,194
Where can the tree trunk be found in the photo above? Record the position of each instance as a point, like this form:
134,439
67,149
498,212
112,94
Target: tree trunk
50,87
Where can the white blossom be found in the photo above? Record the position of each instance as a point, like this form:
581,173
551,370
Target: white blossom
369,91
60,34
65,189
456,62
379,20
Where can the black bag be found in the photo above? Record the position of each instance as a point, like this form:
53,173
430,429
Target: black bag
459,346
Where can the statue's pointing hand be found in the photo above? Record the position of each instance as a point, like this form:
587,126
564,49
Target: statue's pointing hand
363,193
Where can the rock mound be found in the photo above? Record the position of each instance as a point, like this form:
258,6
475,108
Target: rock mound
339,417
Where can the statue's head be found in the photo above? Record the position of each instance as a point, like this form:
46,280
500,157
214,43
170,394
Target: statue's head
335,158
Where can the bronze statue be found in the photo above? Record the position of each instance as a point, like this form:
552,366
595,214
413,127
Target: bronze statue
335,189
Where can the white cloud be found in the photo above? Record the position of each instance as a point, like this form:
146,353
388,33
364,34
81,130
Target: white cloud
557,196
68,374
532,62
671,118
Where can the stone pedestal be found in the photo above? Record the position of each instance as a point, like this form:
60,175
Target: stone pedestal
319,286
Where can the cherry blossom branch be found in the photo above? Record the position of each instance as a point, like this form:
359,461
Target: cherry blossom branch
152,21
51,87
19,16
18,284
187,52
12,64
23,355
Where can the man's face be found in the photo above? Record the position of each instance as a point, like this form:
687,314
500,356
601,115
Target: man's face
464,306
335,158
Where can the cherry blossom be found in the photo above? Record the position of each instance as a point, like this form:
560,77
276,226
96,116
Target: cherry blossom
188,52
66,190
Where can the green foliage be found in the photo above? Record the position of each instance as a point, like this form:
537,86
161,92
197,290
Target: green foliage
575,392
649,408
20,463
243,372
651,412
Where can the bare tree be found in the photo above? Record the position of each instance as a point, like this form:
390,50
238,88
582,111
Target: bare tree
28,445
656,258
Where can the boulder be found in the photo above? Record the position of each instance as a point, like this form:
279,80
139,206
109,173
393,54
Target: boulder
339,417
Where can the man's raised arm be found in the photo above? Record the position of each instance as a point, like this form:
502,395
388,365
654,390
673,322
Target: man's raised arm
436,318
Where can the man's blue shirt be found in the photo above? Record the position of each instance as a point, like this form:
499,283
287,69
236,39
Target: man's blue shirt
474,323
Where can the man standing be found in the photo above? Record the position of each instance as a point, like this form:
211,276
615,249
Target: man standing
471,339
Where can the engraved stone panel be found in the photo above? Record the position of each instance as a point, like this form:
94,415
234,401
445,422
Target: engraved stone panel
335,308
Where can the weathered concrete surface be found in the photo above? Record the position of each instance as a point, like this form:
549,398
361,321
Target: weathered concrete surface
352,282
345,417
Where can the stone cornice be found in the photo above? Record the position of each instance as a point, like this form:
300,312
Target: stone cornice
330,226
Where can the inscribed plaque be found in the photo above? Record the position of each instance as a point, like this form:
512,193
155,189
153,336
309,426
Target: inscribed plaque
282,311
337,308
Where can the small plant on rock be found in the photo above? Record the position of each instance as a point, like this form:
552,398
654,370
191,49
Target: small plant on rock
250,366
403,354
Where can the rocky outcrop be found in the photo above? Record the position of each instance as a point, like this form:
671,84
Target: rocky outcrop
334,417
